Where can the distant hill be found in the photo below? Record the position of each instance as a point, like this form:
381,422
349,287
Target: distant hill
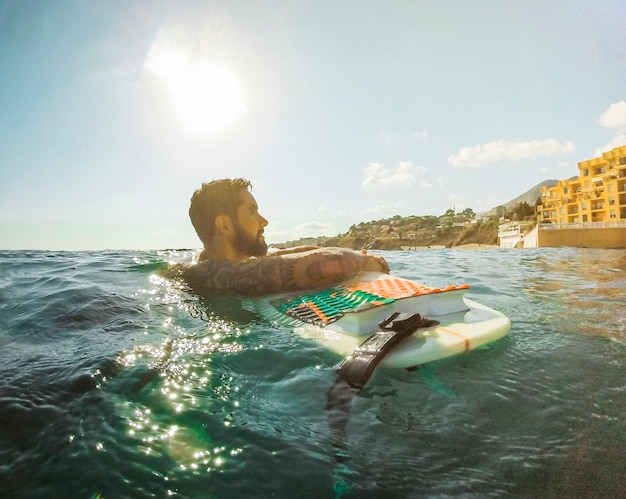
530,197
448,230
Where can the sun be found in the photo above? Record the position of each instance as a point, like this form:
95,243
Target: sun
206,96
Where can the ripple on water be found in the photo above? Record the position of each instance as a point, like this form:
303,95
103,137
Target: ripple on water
122,380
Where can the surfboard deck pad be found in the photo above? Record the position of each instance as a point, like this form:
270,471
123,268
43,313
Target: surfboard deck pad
343,317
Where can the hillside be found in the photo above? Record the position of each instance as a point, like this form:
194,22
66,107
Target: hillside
407,234
530,197
450,229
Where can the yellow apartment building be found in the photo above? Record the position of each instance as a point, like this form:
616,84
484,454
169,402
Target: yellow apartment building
598,194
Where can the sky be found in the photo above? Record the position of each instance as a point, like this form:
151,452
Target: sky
112,113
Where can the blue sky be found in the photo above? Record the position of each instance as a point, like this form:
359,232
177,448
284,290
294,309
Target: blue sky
113,112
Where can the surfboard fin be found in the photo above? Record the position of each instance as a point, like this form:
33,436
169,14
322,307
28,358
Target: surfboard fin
358,367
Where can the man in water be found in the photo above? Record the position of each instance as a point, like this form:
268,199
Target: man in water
235,256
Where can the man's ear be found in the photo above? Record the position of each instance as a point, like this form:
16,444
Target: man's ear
224,225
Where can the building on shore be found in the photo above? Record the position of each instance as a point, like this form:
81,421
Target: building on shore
512,234
588,210
598,194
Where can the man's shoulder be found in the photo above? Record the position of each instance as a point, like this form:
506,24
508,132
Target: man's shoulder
206,265
211,266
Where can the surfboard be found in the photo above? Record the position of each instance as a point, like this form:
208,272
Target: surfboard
343,317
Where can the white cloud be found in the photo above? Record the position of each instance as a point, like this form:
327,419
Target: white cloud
617,141
504,151
385,209
313,226
614,116
378,175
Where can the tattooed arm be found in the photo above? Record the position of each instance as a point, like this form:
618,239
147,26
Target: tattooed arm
274,274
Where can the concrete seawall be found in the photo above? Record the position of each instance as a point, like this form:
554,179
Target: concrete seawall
597,237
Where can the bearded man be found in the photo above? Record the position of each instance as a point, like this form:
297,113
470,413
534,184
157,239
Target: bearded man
235,255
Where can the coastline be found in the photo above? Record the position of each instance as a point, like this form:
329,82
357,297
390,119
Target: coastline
476,246
470,246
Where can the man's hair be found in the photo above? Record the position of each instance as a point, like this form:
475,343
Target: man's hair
215,198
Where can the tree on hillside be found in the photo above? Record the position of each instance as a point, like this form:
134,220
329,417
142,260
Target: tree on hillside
449,213
467,214
429,221
522,211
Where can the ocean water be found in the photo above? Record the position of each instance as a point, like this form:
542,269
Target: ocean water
116,382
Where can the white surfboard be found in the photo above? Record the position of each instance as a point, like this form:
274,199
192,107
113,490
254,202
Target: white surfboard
343,317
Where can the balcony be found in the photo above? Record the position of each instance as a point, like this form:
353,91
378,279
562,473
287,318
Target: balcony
585,225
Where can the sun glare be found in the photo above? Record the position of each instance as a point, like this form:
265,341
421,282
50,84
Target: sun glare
207,97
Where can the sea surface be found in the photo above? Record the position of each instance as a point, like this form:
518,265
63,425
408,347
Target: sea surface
117,382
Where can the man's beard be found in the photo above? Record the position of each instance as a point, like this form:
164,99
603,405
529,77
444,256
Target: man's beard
250,246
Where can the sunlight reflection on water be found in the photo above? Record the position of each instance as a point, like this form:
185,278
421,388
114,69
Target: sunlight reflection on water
123,379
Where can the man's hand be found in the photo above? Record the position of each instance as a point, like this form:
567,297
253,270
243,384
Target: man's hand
375,264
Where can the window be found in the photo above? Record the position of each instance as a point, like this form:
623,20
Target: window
611,200
565,190
613,214
586,172
585,218
622,161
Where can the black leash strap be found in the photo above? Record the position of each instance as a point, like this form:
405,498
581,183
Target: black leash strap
359,366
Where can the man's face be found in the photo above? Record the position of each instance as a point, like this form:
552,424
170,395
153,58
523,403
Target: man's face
249,239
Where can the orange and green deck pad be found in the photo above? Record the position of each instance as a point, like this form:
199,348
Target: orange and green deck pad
326,306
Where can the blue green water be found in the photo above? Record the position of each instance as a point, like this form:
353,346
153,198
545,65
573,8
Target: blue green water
115,382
